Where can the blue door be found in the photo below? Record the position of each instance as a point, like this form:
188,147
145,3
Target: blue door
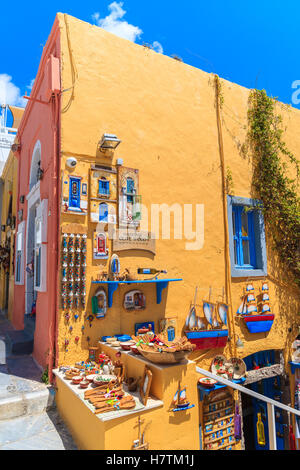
74,195
269,388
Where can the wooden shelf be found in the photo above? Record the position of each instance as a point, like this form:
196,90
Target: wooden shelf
217,411
219,401
219,429
218,419
219,438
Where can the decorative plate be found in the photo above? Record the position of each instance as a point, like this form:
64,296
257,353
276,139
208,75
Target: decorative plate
207,382
218,366
239,368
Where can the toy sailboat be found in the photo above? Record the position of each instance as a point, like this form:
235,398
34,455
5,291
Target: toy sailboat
180,400
222,311
208,309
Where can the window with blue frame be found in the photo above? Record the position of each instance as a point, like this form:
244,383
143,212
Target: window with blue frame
103,188
247,243
130,189
103,212
244,238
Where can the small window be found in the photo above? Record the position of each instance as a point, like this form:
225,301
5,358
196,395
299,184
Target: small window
103,212
243,235
247,243
130,190
103,187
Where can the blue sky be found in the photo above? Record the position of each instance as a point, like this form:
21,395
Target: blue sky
254,43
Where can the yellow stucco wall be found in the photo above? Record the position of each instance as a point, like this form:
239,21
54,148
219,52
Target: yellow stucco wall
164,113
10,188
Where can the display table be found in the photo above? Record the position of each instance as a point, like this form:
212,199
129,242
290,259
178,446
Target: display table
117,430
79,392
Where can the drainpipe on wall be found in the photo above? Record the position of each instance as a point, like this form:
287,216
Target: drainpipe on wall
232,343
55,236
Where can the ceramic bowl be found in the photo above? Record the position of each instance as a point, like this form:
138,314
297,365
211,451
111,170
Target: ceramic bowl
77,379
91,377
103,379
84,384
111,340
115,344
207,382
135,350
127,345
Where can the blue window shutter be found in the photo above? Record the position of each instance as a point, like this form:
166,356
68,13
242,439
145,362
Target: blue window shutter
103,212
74,193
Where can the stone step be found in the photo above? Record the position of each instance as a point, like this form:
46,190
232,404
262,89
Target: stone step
29,325
19,342
26,404
45,431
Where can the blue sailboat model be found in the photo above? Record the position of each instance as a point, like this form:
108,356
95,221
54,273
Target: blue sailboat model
180,400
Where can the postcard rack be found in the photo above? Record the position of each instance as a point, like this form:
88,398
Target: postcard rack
218,421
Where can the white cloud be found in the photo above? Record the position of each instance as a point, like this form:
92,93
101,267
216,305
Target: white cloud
116,25
30,84
157,47
9,92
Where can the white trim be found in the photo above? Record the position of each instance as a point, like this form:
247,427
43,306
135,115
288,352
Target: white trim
20,232
36,157
42,215
242,389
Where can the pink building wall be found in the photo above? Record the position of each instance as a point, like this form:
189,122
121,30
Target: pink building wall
41,123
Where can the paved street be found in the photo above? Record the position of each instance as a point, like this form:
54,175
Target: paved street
28,417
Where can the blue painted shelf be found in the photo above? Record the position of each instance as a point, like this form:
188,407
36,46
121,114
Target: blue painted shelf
112,286
206,390
294,366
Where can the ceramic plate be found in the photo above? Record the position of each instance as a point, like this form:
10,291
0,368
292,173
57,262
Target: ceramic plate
218,366
239,368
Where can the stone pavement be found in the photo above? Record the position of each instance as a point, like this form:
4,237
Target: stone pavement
28,417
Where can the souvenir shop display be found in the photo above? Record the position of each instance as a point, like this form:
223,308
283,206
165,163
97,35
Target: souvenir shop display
145,385
115,267
207,332
99,303
180,401
73,270
167,326
239,368
256,314
134,300
218,421
159,350
207,382
222,367
143,328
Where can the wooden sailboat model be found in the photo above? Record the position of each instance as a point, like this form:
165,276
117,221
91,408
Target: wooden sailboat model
180,400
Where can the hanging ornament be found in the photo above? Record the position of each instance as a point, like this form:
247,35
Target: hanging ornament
67,316
76,339
237,424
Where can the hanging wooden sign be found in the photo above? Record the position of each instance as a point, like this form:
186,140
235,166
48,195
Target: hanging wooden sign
133,240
